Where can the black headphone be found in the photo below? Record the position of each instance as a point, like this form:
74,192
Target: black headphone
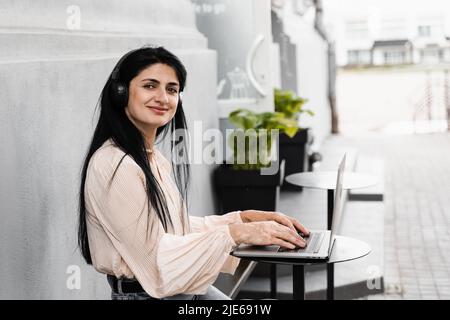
119,91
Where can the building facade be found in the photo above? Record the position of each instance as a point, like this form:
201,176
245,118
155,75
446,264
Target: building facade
390,33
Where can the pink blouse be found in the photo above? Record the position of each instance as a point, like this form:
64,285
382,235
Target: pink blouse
126,241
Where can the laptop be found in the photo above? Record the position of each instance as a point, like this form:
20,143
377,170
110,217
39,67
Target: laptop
319,243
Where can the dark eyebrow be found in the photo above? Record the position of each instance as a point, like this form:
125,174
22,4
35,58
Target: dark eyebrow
154,80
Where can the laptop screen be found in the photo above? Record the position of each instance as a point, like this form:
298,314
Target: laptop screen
337,210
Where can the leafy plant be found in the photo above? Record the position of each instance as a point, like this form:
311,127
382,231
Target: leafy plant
253,130
291,106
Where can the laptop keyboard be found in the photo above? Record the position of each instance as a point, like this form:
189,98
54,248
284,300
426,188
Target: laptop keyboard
313,243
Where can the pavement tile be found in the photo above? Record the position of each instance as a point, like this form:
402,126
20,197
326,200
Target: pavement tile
417,218
429,297
411,297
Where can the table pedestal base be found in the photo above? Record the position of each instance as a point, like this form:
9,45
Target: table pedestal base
298,274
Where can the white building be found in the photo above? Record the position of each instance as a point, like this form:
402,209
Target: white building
390,52
389,32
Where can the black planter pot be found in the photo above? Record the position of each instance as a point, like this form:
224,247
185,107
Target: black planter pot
247,189
294,152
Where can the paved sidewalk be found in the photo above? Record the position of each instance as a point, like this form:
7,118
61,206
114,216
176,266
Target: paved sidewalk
417,216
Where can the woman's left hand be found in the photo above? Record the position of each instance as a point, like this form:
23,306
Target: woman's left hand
290,222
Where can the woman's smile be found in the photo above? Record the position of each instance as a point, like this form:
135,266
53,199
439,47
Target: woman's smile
158,110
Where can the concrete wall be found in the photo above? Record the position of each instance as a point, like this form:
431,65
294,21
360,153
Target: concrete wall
312,73
51,75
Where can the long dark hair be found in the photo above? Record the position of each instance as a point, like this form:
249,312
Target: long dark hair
114,124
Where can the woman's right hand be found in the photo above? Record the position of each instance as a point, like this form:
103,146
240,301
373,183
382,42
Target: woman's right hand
266,233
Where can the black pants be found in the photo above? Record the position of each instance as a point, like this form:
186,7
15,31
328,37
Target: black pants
118,286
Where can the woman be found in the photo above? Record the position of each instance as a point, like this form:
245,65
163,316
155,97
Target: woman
134,225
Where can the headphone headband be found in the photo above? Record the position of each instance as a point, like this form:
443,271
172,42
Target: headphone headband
115,73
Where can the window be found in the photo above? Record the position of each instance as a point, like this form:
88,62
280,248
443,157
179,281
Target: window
393,27
424,31
394,57
357,29
359,57
243,51
431,55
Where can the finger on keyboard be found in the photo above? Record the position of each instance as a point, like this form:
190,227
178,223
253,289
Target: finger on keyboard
303,235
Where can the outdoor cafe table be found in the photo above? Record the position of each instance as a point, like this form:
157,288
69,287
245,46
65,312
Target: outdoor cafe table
327,180
344,249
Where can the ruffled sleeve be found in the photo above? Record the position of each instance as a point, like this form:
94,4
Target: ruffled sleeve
202,224
192,262
199,224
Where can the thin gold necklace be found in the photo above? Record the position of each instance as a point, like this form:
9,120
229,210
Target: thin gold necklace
149,150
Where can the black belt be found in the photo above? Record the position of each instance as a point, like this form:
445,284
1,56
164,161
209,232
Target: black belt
124,285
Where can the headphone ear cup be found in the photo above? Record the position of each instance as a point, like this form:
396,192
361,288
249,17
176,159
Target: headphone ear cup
119,94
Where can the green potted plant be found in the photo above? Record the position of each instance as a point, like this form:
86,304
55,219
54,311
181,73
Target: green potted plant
292,148
241,184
